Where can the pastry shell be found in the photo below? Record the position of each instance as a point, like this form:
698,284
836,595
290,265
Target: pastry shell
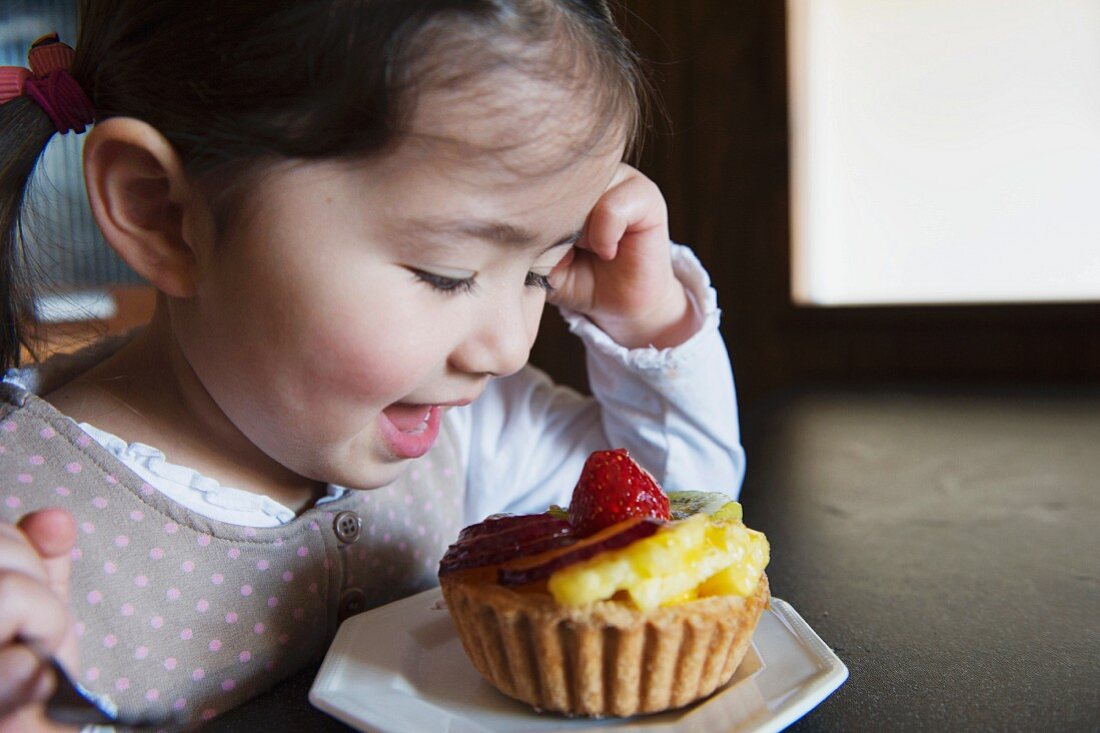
605,659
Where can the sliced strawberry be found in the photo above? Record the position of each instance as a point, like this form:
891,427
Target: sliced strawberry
612,488
543,565
505,537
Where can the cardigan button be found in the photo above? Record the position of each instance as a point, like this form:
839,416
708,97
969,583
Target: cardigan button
353,601
347,526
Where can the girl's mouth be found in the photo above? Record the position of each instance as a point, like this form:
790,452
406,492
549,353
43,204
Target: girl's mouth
410,430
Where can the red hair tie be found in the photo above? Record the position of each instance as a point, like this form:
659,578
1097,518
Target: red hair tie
49,83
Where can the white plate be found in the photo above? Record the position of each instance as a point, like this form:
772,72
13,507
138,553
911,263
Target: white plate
401,669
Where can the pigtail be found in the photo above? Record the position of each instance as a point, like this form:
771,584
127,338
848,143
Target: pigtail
24,131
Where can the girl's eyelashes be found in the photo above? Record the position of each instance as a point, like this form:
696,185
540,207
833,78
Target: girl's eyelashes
535,280
455,285
444,284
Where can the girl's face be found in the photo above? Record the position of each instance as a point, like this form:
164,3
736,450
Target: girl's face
353,303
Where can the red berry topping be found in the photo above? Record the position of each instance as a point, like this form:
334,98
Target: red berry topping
505,537
613,488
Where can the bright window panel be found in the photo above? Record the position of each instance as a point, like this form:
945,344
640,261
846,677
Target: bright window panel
945,151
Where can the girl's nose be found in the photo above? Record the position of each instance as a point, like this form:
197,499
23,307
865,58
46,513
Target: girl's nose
500,342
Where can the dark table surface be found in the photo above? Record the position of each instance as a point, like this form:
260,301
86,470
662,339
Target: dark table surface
945,542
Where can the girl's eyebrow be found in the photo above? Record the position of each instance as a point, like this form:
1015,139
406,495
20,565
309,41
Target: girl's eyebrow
497,232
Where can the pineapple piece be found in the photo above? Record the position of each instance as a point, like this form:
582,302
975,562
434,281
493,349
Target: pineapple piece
739,579
667,567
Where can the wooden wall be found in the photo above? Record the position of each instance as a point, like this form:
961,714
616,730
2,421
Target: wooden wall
721,158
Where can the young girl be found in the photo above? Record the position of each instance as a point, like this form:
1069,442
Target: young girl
353,212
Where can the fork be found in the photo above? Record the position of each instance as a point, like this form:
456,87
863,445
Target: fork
70,705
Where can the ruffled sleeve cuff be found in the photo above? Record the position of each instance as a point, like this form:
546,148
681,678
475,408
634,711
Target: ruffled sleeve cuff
704,301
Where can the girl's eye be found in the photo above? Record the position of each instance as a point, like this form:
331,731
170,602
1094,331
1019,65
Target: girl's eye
535,280
445,284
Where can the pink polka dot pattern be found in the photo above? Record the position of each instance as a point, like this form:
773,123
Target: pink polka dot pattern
184,614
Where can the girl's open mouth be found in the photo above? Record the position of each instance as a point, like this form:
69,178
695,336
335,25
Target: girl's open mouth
410,430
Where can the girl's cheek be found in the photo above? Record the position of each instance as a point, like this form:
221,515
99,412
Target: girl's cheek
379,364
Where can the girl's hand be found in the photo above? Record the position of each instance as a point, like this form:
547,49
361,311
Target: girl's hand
34,593
620,272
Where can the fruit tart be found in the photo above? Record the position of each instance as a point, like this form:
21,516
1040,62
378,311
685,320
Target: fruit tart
630,601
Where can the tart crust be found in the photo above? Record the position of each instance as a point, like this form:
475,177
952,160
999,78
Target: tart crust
606,658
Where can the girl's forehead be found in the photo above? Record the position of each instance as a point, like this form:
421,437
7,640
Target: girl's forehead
513,122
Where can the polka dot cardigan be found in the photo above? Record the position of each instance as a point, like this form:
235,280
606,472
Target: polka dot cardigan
178,612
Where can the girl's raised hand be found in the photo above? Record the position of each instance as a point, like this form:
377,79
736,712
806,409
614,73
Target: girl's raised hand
619,274
34,592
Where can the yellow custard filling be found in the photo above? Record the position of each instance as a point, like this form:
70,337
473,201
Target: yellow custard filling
702,555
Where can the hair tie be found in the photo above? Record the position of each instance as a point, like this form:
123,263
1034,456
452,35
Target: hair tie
49,83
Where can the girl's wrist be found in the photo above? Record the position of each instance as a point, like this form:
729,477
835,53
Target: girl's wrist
668,323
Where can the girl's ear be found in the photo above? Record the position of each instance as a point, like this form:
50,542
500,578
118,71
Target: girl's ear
145,205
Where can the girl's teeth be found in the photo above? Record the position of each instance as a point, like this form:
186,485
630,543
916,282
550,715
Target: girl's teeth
408,418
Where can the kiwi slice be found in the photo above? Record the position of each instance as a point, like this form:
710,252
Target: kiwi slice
683,504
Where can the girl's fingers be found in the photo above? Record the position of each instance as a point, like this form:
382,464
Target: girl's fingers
18,554
29,609
52,534
634,206
23,679
34,576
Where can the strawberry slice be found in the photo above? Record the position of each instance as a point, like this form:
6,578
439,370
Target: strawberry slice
505,537
613,488
539,567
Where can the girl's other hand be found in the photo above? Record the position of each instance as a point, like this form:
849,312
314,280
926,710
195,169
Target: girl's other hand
34,593
620,275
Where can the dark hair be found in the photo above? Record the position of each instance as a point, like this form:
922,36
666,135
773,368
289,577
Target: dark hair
236,86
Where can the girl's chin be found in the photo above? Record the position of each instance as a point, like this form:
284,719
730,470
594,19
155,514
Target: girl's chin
378,469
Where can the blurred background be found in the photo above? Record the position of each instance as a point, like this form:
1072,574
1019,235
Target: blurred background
879,190
882,190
